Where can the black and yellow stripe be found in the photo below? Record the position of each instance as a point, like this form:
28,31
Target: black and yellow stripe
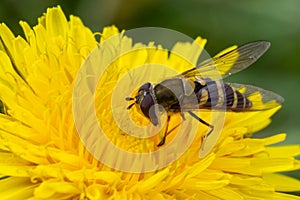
215,94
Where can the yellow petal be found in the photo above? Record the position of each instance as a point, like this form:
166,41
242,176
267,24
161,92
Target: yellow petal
236,165
189,52
152,182
56,189
103,176
225,193
56,22
283,151
241,148
269,165
108,32
6,37
282,183
198,184
197,168
41,38
26,29
275,139
262,195
16,188
11,165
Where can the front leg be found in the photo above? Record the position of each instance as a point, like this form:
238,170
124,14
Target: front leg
163,140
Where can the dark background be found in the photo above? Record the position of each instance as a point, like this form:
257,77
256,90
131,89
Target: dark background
223,23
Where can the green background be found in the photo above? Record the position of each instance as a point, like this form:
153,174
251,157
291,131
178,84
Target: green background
223,23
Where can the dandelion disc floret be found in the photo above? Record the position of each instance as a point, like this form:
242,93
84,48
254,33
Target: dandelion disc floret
43,157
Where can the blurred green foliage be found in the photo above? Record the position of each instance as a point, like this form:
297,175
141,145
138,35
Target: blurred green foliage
223,23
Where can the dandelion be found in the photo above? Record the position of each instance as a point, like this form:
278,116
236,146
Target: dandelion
43,157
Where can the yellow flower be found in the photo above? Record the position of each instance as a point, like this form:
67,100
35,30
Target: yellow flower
44,156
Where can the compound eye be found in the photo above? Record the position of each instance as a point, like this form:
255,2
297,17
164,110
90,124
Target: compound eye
147,107
145,87
146,104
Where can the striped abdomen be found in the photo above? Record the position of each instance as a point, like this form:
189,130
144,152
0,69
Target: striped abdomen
214,94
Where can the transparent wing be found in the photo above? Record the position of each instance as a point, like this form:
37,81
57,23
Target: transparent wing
261,99
230,62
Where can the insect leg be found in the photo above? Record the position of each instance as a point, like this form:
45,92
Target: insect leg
163,140
203,122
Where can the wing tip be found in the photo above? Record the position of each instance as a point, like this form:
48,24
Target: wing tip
261,46
280,99
261,43
265,43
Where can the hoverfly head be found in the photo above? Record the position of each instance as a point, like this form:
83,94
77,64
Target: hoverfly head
145,98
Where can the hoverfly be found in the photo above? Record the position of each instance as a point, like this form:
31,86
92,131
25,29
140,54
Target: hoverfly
174,95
